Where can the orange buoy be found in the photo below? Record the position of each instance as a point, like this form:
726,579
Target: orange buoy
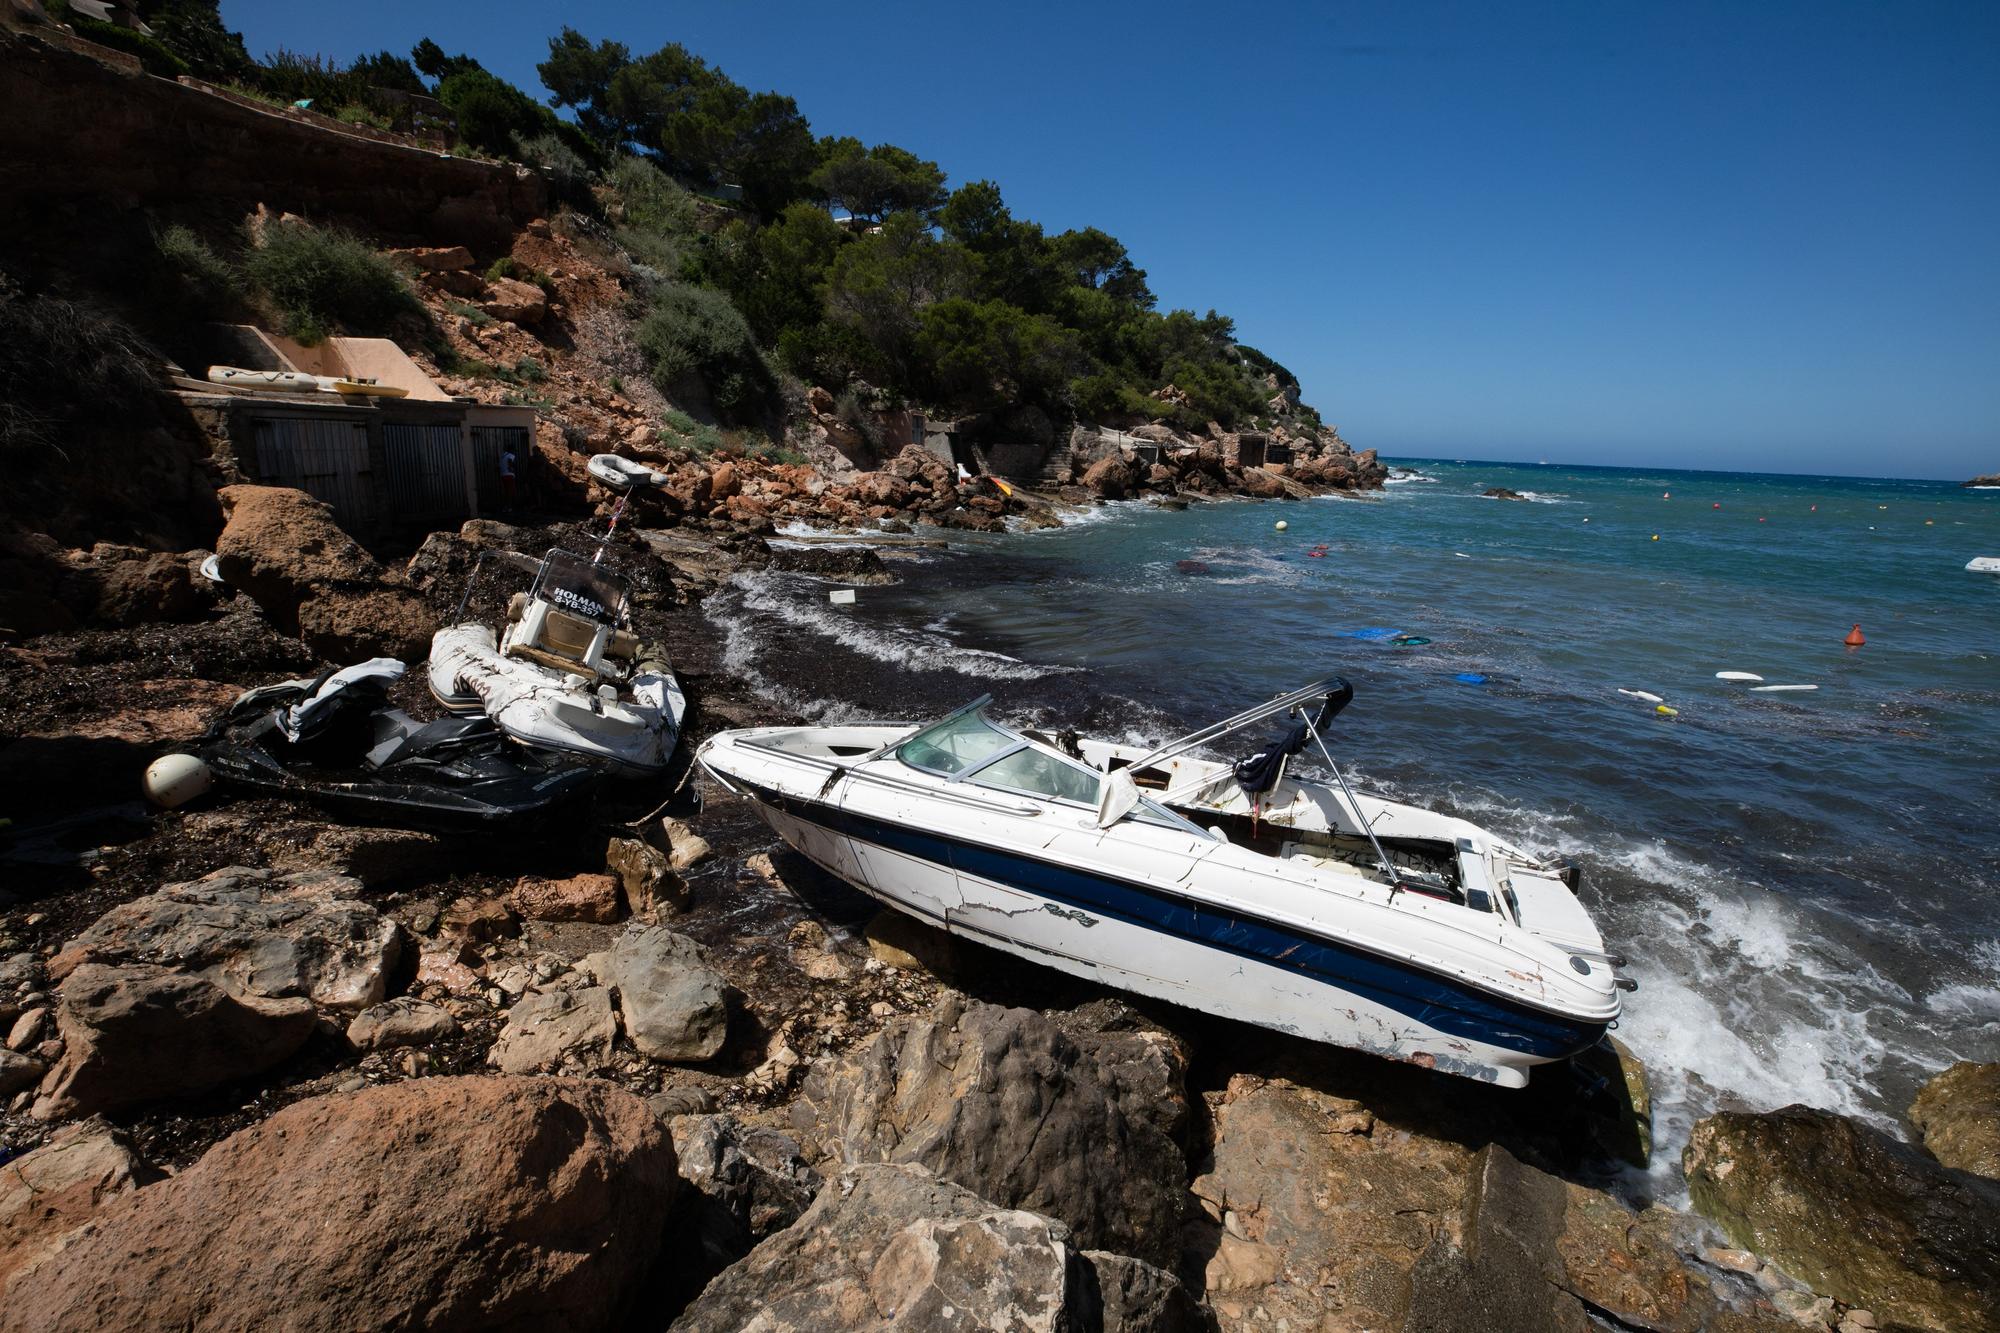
1855,638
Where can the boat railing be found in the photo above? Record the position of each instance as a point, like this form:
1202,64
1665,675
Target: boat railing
1247,718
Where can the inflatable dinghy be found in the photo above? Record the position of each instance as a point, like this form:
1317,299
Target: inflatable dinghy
564,673
336,742
298,381
274,381
1984,564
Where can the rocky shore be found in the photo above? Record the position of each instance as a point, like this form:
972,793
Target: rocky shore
647,1068
264,1068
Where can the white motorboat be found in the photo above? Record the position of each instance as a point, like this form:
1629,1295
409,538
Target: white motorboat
566,673
1237,889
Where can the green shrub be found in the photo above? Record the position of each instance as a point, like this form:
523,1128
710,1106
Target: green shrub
153,56
565,169
61,365
530,371
479,318
197,281
681,422
653,200
492,114
292,76
503,267
192,30
660,227
357,113
468,367
694,333
321,279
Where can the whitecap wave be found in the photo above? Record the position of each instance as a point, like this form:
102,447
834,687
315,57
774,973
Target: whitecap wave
800,606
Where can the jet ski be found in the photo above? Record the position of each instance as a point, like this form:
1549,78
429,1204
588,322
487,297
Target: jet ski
334,740
565,673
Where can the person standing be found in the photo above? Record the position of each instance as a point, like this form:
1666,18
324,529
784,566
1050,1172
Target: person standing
507,480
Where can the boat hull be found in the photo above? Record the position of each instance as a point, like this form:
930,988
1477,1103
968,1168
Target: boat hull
1139,938
545,709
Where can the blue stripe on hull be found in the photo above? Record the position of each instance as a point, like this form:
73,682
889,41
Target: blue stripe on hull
1435,1001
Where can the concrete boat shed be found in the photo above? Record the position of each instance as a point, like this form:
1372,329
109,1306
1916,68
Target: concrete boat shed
384,464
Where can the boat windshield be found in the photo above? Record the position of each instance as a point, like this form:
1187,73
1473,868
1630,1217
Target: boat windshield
965,747
958,743
1035,772
570,583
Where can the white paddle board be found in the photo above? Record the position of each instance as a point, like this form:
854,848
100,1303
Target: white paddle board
1737,675
1641,694
1780,689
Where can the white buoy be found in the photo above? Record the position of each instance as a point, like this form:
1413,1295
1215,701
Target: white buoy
175,779
1282,525
1642,694
841,597
1737,675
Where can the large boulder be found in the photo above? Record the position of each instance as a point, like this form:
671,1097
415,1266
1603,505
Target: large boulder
309,577
880,488
1113,477
1527,1250
255,933
675,1005
1958,1113
1313,1215
136,1032
1007,1104
132,586
352,625
750,1181
593,898
279,544
1261,485
545,1030
892,1247
1854,1214
18,1071
512,299
403,1021
55,1189
443,1203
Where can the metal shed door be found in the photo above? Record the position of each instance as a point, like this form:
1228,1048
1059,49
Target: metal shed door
426,467
326,459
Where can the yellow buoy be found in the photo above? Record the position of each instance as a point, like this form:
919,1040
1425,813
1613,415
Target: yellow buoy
1656,536
1665,711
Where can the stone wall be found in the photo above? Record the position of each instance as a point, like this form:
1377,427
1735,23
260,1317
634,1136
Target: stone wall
79,129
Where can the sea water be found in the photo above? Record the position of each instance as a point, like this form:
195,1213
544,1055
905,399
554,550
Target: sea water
1807,884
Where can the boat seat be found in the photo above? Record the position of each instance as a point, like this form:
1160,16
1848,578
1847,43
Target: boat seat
565,641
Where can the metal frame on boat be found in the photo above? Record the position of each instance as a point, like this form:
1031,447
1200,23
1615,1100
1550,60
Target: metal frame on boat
565,674
1238,889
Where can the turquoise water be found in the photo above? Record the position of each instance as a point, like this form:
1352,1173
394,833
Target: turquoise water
1808,884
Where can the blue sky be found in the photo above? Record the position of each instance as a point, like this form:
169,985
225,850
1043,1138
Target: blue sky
1757,236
